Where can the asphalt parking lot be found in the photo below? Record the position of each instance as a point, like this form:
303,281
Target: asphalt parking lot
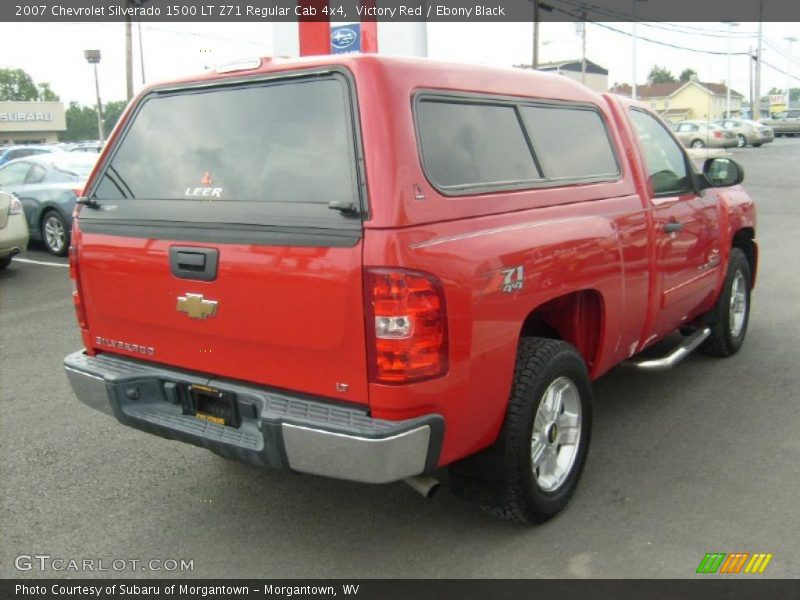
703,458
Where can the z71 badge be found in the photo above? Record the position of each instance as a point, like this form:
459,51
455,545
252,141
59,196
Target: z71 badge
506,281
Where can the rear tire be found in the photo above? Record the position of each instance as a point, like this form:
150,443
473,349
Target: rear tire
4,262
741,141
730,316
55,234
758,145
698,144
545,438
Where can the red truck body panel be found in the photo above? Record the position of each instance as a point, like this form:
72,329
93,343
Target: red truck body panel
598,268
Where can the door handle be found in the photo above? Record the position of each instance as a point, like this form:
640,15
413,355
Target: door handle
672,227
194,263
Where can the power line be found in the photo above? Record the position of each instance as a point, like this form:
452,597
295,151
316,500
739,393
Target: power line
624,16
651,40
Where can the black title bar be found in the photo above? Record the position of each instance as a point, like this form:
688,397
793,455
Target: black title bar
478,11
710,588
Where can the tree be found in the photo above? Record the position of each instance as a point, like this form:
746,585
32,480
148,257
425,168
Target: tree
686,75
81,124
82,121
16,84
112,111
660,75
46,94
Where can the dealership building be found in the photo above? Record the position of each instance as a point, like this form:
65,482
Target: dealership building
31,122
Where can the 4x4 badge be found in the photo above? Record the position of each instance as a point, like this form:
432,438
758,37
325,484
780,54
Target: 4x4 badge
196,306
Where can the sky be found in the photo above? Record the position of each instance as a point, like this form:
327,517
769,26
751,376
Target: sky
53,52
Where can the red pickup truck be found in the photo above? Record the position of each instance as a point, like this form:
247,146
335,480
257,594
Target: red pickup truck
369,268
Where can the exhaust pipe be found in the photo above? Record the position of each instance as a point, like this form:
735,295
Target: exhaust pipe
423,484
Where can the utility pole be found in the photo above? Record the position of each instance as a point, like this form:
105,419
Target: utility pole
583,46
757,106
633,83
790,39
535,57
128,53
141,52
750,73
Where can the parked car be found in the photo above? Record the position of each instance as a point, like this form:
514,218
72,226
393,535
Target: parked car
13,229
700,134
747,131
10,153
47,186
367,268
96,147
786,122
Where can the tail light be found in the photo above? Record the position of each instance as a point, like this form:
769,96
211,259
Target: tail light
15,208
75,276
406,326
717,134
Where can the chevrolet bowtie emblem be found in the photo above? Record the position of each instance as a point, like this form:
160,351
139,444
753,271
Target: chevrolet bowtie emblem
196,306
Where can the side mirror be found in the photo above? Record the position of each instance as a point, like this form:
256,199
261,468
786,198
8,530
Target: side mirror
722,172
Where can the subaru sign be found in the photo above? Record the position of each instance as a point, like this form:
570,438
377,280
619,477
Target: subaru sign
346,38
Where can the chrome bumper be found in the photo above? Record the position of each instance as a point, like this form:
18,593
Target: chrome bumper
277,429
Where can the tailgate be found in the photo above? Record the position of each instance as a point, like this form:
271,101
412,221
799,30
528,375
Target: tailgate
213,245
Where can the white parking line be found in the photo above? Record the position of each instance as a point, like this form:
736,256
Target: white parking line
40,262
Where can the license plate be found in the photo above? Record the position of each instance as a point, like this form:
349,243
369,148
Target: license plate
213,405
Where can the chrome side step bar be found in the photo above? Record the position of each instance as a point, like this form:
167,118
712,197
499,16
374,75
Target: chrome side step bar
684,349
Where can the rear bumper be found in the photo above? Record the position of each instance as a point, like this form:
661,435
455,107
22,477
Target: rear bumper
13,236
278,429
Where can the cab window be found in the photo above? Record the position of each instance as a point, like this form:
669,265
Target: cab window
666,163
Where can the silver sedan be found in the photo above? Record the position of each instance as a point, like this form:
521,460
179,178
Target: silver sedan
747,132
700,134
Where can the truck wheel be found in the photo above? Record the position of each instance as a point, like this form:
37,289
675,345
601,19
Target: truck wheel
546,432
731,313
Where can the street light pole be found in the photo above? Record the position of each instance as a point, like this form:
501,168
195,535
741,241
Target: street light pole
790,39
633,83
731,25
93,57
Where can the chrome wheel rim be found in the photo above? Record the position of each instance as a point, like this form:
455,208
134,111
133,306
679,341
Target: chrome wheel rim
741,141
556,434
698,144
738,305
54,234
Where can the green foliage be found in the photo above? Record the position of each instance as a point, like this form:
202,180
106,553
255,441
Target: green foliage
46,94
686,75
17,85
81,124
112,111
660,75
82,121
